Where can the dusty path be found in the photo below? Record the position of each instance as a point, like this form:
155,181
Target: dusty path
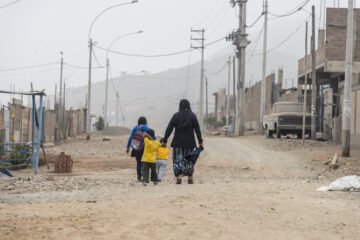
243,190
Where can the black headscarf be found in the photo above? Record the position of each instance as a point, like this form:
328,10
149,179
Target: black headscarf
184,114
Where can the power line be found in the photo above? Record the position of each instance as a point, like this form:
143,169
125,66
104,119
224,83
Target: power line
295,10
28,67
286,39
9,4
256,43
157,55
80,67
257,19
210,12
96,59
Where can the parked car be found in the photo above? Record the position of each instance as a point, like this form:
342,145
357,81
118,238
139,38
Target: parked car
286,118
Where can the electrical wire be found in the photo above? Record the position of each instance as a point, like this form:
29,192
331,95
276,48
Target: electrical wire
295,10
257,19
286,39
257,40
157,55
96,59
217,24
9,4
28,67
208,15
80,67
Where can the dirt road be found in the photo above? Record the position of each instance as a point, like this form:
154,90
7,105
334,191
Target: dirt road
245,188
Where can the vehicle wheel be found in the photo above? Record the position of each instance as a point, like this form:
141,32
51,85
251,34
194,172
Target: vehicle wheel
268,133
299,135
278,133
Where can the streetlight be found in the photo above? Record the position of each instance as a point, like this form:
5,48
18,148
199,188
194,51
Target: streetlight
107,70
88,120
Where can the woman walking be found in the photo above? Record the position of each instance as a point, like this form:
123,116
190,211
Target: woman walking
185,124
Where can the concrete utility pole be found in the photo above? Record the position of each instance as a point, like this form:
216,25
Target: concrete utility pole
88,116
207,99
313,79
106,91
55,96
61,77
239,39
305,86
117,109
346,117
202,47
263,82
234,91
63,113
228,94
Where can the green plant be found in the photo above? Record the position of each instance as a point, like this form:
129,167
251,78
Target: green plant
99,125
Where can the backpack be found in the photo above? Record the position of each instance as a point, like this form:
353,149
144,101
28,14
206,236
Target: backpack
137,142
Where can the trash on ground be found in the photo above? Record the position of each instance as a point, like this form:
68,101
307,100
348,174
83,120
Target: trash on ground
343,184
5,173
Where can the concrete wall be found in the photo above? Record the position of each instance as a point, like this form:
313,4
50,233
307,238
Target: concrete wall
220,104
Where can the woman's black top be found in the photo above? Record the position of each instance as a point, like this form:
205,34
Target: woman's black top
185,123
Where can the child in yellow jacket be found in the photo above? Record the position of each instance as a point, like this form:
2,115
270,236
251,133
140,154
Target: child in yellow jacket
161,159
149,157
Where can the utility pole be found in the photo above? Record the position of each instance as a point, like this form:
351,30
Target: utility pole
239,39
305,87
88,120
263,82
228,94
313,79
201,40
207,99
117,110
55,96
63,113
106,91
234,92
346,118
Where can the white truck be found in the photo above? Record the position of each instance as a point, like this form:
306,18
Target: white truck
286,118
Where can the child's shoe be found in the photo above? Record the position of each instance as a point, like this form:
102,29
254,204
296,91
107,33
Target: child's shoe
155,183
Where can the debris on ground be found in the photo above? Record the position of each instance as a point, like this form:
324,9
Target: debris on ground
348,183
106,139
335,162
215,133
4,172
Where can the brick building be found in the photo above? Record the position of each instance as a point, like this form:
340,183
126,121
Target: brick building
330,75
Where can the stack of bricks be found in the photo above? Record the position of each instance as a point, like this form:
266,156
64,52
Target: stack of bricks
63,163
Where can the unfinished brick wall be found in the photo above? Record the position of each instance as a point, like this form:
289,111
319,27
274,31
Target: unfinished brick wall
336,24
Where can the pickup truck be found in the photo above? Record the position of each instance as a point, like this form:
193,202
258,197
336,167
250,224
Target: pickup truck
286,118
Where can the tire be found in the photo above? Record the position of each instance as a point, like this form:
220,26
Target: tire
268,133
299,135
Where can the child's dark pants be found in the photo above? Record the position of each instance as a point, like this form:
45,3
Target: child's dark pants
146,167
138,156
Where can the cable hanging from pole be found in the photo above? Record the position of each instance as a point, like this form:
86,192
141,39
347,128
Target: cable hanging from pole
297,9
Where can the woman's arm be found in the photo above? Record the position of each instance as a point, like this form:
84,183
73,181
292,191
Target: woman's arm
169,129
147,135
197,130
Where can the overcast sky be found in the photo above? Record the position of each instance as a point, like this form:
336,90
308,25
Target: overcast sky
34,32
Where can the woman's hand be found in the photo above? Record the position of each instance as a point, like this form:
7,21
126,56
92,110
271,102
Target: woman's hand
201,145
127,150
